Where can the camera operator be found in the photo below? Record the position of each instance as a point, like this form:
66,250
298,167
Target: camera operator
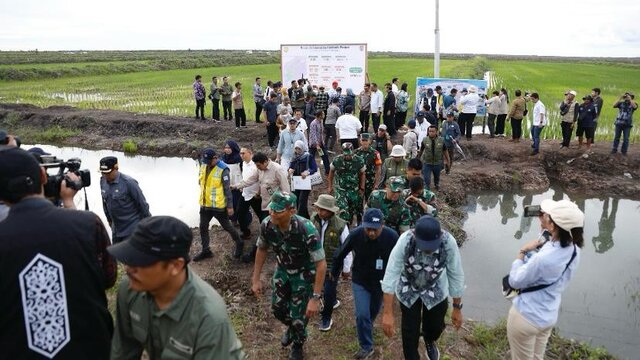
626,105
543,277
55,270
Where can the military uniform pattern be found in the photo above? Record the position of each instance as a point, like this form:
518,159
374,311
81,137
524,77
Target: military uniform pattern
297,251
347,184
371,159
396,213
415,210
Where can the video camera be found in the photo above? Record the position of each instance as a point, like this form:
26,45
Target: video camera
54,181
532,211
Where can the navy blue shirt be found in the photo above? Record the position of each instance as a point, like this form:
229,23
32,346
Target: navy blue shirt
271,108
587,115
366,253
124,204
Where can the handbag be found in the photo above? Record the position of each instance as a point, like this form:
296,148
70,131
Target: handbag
316,178
508,292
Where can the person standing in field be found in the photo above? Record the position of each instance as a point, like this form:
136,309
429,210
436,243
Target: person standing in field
402,105
238,107
469,105
410,140
347,177
493,109
333,113
348,127
372,161
586,121
449,101
422,126
226,91
598,103
569,115
364,105
394,86
389,110
516,114
377,101
199,93
451,135
214,96
382,142
258,98
303,165
539,122
288,138
333,91
502,113
322,100
316,145
624,121
270,114
433,156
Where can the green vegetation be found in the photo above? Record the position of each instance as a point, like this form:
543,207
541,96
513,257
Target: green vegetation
129,146
160,81
51,135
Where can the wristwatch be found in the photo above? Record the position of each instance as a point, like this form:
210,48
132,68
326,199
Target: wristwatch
457,306
316,296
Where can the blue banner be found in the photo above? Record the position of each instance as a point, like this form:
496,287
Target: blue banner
424,84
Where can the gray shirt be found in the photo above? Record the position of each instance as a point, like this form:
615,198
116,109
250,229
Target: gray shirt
333,113
257,93
214,91
124,204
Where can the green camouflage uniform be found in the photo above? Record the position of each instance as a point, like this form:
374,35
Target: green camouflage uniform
396,213
347,184
415,210
297,251
371,158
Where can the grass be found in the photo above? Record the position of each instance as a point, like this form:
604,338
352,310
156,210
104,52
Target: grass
51,135
130,146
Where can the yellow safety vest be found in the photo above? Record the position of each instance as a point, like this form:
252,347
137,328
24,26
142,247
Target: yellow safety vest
211,189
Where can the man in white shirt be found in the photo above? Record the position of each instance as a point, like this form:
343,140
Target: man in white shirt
302,123
377,101
332,92
394,86
469,104
249,198
348,127
422,127
539,122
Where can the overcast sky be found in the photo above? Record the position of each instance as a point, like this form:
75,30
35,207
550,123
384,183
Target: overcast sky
544,27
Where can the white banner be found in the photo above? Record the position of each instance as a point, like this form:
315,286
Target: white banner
324,64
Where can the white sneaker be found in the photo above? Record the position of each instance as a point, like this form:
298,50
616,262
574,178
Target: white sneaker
337,304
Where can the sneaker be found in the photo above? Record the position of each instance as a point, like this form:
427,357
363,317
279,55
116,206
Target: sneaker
250,256
326,326
237,254
203,255
432,351
285,340
363,354
296,352
237,128
336,304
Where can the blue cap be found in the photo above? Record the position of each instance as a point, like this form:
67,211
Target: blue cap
428,233
38,151
411,124
372,218
420,114
208,154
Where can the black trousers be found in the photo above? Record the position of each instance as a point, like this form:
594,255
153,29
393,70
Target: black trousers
303,199
500,124
465,121
516,128
390,121
216,109
375,120
400,117
364,120
330,136
241,117
272,133
226,107
244,218
258,110
416,321
567,130
206,214
325,157
200,109
491,121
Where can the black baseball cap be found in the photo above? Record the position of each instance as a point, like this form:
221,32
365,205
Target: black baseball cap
19,174
107,164
208,154
154,239
428,233
372,218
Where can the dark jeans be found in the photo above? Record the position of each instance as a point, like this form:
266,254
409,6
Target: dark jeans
491,121
236,197
465,121
226,107
367,306
390,121
375,120
500,124
625,131
303,199
427,169
200,109
272,133
416,321
400,117
258,110
325,158
535,135
330,293
241,117
206,214
244,214
216,109
364,120
330,136
567,130
516,128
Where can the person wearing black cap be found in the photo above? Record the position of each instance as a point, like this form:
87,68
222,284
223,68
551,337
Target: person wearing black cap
55,270
372,161
424,270
371,243
626,105
123,202
216,201
587,114
163,307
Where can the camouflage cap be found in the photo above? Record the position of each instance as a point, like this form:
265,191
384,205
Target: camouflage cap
347,148
365,136
396,183
281,201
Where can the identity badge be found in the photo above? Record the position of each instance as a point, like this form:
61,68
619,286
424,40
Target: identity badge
379,264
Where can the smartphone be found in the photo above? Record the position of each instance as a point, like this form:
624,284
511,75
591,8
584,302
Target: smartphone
532,211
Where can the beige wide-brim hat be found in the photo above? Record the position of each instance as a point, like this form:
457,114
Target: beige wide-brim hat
473,88
327,202
399,151
564,213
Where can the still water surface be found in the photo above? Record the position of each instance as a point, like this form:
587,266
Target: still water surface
601,304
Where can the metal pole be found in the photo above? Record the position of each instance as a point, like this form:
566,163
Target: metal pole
436,54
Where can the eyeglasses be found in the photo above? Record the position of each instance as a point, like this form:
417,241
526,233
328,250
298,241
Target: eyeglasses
242,152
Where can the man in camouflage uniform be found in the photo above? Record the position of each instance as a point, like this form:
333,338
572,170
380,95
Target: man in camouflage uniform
372,161
419,200
348,171
392,205
301,266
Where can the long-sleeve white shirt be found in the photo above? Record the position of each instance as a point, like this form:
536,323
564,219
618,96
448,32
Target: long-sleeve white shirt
539,114
377,101
249,169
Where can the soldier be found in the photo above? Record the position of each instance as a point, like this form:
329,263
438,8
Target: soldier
372,161
349,174
395,165
382,142
300,271
391,203
419,200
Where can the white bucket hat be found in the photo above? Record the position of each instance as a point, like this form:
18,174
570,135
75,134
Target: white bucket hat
398,150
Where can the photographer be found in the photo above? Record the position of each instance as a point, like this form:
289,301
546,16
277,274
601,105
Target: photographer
624,121
543,278
56,269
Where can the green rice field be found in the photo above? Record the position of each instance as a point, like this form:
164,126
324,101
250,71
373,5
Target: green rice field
170,92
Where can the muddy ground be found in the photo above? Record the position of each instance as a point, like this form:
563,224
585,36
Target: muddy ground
490,164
